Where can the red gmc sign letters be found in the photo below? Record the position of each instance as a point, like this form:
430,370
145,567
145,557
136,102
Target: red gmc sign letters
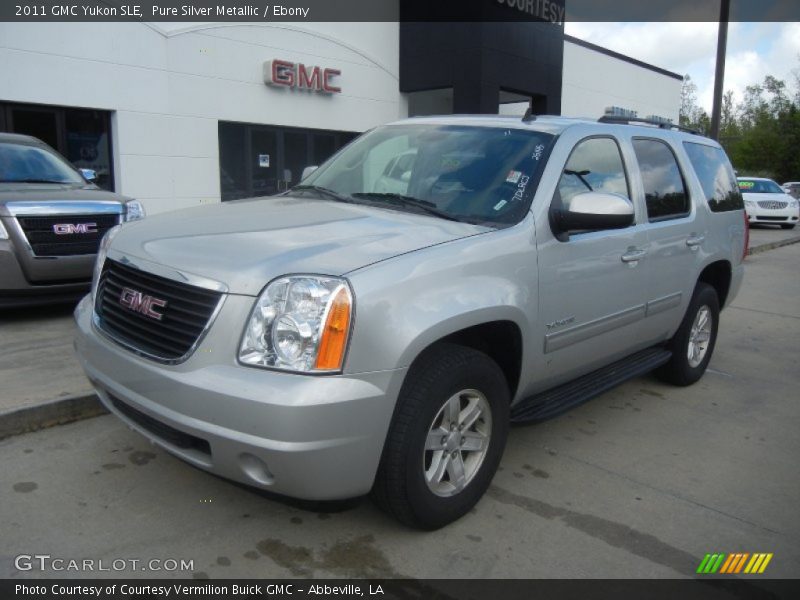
299,76
142,303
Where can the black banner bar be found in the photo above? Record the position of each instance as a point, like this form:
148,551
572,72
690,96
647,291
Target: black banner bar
556,11
390,589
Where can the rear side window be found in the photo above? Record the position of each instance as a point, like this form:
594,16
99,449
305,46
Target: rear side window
716,176
664,188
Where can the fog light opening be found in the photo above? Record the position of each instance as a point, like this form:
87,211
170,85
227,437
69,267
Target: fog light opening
256,469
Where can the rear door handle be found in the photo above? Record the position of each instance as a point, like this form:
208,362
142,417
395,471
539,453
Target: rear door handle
632,256
695,240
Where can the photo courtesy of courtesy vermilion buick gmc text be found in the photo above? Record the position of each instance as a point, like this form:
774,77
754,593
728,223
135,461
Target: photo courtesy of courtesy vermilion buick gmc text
377,327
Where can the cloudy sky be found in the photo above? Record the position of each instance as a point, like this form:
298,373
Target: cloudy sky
754,50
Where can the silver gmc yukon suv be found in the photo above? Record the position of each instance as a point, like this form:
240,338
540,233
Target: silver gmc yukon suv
52,219
377,327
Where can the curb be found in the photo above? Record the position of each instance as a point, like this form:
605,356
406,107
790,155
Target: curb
772,245
48,414
76,408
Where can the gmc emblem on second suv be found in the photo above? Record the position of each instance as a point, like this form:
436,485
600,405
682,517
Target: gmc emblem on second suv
70,228
141,303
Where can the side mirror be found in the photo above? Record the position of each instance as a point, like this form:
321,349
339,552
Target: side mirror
308,171
593,211
89,174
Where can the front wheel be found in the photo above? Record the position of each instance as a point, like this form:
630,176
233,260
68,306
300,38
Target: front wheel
446,439
693,343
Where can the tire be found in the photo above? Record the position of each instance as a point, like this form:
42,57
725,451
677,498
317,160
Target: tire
681,369
445,377
787,226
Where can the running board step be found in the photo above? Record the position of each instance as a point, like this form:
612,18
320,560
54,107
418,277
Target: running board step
560,399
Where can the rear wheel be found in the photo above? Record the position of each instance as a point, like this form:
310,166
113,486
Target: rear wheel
693,343
446,439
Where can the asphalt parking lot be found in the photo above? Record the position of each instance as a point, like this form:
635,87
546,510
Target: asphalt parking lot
640,482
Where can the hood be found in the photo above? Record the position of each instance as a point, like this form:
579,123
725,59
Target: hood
755,197
247,243
52,192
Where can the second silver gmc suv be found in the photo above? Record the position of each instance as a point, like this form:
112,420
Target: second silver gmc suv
378,327
52,218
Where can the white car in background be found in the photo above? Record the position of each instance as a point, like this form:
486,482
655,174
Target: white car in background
767,203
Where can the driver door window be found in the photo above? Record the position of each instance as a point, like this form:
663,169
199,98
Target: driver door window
595,165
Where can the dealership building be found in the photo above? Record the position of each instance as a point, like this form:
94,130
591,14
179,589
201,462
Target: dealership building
180,114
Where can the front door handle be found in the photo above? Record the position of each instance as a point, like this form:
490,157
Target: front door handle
695,240
633,255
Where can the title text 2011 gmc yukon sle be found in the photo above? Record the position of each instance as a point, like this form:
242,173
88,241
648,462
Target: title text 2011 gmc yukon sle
377,327
51,221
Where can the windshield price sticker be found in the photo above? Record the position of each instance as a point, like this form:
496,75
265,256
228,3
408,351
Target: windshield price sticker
500,204
513,176
746,185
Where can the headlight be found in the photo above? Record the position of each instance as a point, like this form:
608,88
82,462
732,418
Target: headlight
749,204
3,232
134,210
300,323
102,252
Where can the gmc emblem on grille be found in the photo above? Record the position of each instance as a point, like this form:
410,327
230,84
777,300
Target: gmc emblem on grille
70,228
142,303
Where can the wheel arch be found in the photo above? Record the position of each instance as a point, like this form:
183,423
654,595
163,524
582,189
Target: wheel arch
500,339
718,275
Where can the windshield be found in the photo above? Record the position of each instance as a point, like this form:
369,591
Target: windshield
759,186
22,163
474,174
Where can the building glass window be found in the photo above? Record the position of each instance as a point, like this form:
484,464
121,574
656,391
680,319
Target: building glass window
262,160
82,136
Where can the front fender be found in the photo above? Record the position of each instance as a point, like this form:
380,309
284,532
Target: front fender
405,304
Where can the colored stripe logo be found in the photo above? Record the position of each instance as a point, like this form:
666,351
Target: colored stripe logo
738,562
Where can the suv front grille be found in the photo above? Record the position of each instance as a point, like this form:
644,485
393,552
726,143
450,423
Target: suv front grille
159,317
772,204
66,235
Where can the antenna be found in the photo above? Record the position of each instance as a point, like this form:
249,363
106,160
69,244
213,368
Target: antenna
529,116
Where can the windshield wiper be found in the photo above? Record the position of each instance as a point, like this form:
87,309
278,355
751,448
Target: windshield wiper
324,191
409,202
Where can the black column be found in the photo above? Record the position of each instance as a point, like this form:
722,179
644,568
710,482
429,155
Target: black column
478,60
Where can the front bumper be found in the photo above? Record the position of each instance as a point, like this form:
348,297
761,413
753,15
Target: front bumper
783,216
309,437
16,290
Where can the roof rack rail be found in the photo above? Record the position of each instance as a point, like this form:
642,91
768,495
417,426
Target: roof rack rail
660,124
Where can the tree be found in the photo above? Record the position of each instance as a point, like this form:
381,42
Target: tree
688,101
796,81
728,122
691,115
761,133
